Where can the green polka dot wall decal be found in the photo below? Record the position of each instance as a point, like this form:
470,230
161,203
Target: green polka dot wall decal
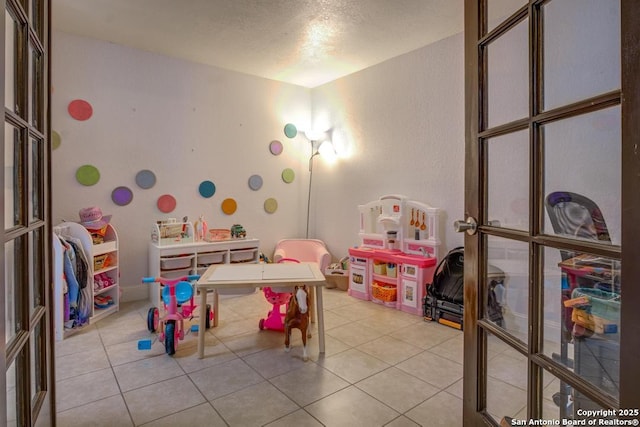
288,175
55,140
87,175
290,130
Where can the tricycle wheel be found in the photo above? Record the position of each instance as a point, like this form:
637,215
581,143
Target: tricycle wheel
153,317
207,316
170,342
261,324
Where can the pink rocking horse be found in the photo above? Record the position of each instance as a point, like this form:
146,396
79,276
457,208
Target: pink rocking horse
297,317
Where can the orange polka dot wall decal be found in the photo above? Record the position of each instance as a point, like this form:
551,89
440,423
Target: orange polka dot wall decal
166,203
80,109
88,175
229,206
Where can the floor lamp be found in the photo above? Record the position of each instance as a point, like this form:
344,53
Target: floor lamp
317,140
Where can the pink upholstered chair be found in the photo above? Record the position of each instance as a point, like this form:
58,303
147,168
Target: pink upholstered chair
306,250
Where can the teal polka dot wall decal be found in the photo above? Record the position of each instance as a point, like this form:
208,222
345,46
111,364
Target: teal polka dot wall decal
290,130
207,189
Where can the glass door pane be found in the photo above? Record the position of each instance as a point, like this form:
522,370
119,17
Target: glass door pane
580,35
508,180
583,157
508,76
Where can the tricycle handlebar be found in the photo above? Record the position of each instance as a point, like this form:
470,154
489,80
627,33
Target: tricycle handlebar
165,281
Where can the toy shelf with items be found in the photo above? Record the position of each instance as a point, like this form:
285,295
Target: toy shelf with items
398,252
169,232
187,258
102,267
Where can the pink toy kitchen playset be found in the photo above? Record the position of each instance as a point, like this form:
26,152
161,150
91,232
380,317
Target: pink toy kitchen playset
398,252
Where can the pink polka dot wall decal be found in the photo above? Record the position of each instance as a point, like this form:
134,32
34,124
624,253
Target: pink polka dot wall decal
166,203
80,109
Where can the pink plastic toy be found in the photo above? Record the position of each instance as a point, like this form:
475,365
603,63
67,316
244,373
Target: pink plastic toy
275,317
175,295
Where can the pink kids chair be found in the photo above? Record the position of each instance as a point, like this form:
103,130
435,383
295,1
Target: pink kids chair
304,250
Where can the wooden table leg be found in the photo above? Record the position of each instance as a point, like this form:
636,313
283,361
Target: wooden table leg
203,325
320,310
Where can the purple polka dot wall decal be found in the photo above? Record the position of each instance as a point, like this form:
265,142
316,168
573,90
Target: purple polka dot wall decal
80,109
122,196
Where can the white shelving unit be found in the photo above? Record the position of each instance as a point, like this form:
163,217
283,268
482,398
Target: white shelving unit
94,253
183,259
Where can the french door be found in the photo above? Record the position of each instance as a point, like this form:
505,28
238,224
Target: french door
551,206
26,355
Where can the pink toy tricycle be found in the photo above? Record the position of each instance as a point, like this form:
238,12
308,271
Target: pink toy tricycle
175,295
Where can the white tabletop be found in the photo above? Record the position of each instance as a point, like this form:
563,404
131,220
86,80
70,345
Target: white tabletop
240,275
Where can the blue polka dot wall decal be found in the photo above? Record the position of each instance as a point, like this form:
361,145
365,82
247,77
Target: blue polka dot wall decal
145,179
290,130
207,189
255,182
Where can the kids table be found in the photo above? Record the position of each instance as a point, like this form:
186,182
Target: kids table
238,276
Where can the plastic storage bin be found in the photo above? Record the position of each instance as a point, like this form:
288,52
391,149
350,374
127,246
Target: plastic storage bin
174,262
207,258
380,268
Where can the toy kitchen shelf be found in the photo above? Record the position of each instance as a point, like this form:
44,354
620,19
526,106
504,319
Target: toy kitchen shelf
194,257
398,252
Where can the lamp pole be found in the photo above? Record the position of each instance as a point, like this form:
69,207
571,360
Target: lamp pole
314,152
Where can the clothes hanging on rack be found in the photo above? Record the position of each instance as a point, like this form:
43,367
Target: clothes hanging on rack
78,295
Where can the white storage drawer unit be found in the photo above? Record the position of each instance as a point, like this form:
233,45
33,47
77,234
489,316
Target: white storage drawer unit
182,259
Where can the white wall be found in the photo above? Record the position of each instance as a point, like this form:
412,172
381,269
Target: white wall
402,122
187,123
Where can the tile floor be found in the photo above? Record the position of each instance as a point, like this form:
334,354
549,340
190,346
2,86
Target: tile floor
382,367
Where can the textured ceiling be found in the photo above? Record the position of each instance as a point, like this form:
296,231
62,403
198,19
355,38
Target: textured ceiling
303,42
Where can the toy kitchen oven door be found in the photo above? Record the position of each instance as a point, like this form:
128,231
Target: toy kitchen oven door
358,277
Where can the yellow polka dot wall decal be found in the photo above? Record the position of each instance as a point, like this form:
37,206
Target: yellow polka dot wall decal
229,206
270,205
55,140
288,175
87,175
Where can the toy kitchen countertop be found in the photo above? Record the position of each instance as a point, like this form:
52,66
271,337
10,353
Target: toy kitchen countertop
393,256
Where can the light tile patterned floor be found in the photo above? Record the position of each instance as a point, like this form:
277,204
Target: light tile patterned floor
382,367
